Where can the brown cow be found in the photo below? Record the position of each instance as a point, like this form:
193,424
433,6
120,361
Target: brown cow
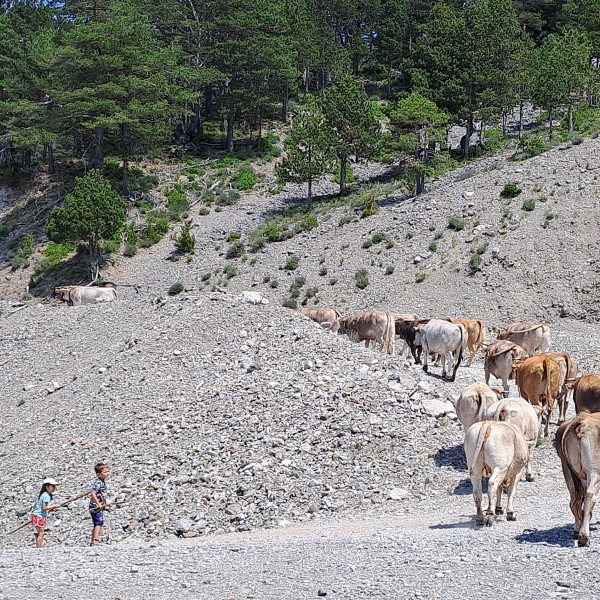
586,394
407,331
476,333
532,337
499,357
568,371
498,450
371,326
578,446
322,316
538,380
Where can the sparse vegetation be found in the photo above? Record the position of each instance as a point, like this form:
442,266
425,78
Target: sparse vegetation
333,280
456,223
370,207
245,179
433,247
528,205
292,263
510,190
206,276
311,292
155,229
230,271
21,257
388,270
232,236
236,250
362,279
438,236
175,289
273,283
186,241
420,277
290,303
323,271
475,262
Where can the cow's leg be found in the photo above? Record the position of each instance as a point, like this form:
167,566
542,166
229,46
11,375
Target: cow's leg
477,497
438,358
425,356
547,426
499,510
511,489
588,506
367,342
574,500
471,354
528,471
562,406
494,485
505,387
444,373
448,366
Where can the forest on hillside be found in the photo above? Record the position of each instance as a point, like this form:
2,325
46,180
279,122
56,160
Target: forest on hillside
87,79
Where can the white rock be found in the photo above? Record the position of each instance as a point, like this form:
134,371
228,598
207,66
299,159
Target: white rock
436,408
398,494
468,194
254,298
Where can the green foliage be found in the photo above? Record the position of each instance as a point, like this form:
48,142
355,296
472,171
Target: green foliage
292,263
205,276
361,278
109,247
420,277
92,212
175,289
245,179
333,281
438,236
290,303
230,271
273,284
130,234
21,257
186,241
482,248
130,249
309,221
528,205
475,262
227,198
323,271
534,145
311,292
155,229
337,176
236,250
388,270
456,223
56,253
370,207
367,243
177,203
510,190
433,247
232,236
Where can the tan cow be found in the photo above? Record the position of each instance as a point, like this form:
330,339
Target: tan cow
525,417
322,316
498,361
473,403
371,326
569,368
532,337
538,380
578,446
586,394
77,295
498,450
476,333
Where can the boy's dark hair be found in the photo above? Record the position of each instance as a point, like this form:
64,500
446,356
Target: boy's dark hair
100,467
45,489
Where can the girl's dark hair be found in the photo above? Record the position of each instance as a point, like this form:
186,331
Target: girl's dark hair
45,489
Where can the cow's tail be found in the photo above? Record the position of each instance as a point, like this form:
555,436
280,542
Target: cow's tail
549,398
482,436
560,445
480,341
460,352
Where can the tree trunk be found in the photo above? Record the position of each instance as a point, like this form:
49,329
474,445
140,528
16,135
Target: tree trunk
195,127
310,191
419,182
550,123
481,135
260,124
284,102
504,118
98,157
570,117
207,102
50,158
389,81
343,162
305,78
126,146
468,135
26,158
521,119
230,116
78,150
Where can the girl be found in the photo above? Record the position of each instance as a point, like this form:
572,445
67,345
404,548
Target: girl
41,510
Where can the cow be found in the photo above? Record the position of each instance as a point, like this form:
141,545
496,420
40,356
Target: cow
498,450
586,394
577,445
476,334
371,326
532,337
524,416
498,361
76,295
538,380
326,317
473,402
443,338
407,331
568,372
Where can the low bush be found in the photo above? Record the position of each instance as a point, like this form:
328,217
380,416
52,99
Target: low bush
333,280
456,223
109,247
130,249
323,271
245,179
528,205
475,262
226,198
433,247
510,190
230,271
273,283
292,263
362,279
175,289
311,292
56,253
367,244
290,303
186,241
177,203
481,249
370,207
21,257
420,277
206,276
534,145
309,221
236,250
155,229
233,236
438,236
388,270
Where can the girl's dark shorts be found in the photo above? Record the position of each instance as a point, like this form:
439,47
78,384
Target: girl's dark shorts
97,518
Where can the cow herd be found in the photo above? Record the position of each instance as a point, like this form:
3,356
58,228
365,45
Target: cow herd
501,433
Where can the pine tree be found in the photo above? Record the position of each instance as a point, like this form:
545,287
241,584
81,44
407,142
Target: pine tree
352,125
307,152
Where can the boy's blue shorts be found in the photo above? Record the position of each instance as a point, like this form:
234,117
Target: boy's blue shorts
97,518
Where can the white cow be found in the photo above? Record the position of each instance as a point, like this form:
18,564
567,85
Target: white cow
443,338
498,361
532,337
498,450
473,403
524,416
76,295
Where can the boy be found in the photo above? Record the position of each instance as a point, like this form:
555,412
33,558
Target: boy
98,501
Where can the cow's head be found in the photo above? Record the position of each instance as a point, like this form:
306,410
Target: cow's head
62,292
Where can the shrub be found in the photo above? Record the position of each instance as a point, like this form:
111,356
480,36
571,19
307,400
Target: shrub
154,231
230,271
388,270
56,253
362,279
510,190
203,211
235,250
311,292
333,281
186,241
5,229
130,249
433,247
298,283
475,262
456,224
370,207
367,244
543,199
130,234
226,198
389,242
290,303
323,271
291,263
535,145
273,283
550,215
528,204
309,221
109,247
438,236
175,289
233,236
377,238
177,203
21,257
349,174
41,267
245,179
420,277
481,249
206,276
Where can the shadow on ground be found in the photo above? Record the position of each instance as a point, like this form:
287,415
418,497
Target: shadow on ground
470,524
555,536
452,457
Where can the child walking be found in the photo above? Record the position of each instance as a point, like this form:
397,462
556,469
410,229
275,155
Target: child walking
99,501
41,510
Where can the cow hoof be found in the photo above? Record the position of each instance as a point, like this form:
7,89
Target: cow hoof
479,520
529,477
511,516
450,379
583,541
489,520
499,510
575,535
425,368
